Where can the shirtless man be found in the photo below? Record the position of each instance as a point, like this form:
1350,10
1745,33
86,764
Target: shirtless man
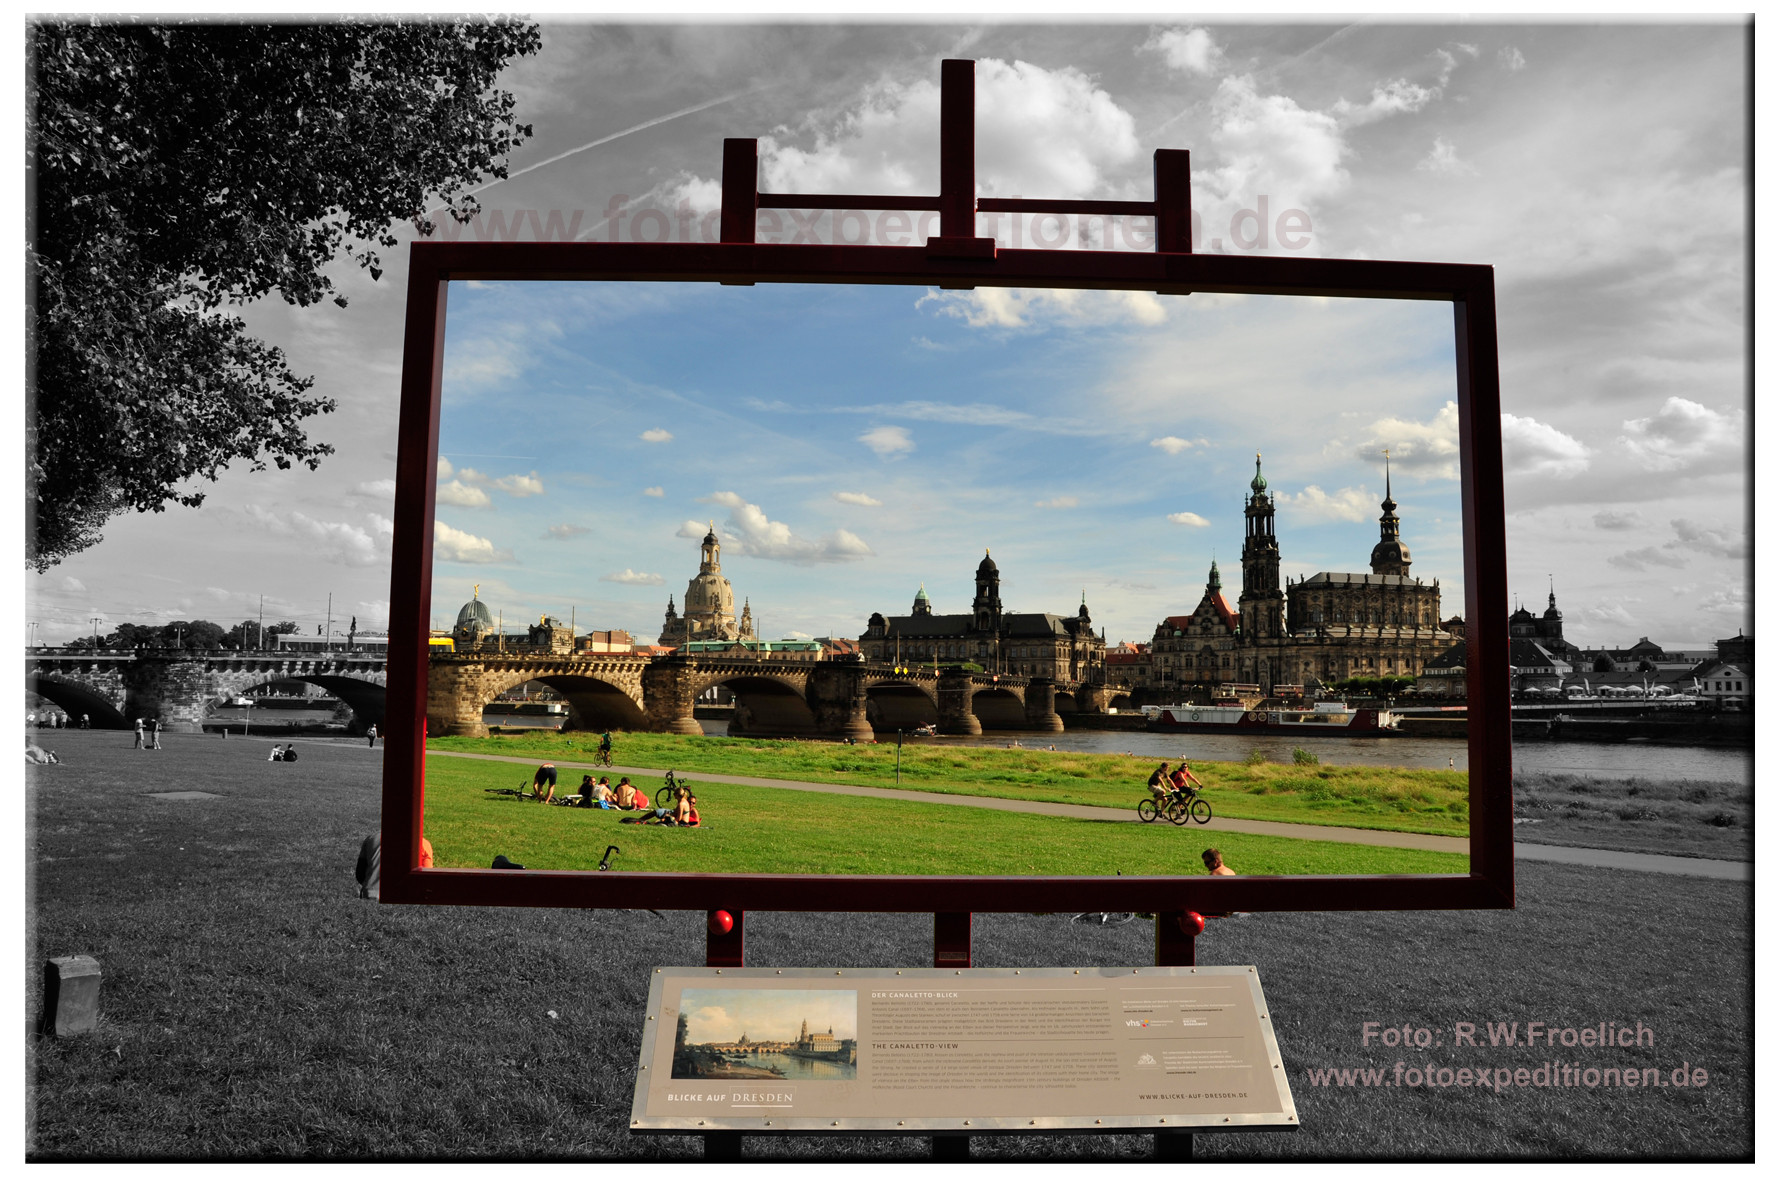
1215,865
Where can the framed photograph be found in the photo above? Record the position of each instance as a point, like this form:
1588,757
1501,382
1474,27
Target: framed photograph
769,328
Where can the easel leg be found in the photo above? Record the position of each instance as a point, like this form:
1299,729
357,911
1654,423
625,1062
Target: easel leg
953,949
1176,930
725,950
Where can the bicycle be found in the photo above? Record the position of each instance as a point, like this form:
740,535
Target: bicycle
1175,808
605,757
672,789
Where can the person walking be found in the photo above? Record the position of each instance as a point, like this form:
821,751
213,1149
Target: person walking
140,734
154,734
372,736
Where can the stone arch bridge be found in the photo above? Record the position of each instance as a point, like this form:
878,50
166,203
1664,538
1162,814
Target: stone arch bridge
774,698
181,687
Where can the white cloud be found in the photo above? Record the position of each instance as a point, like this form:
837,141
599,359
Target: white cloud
445,469
461,496
332,541
382,489
1428,449
564,532
857,498
1057,502
468,475
1171,444
1192,520
750,532
70,583
1684,434
1053,133
1313,504
1017,307
1709,539
966,414
1397,97
888,440
1444,161
520,486
1189,50
1617,521
654,491
629,577
1533,448
657,435
1269,147
1648,556
1512,60
452,545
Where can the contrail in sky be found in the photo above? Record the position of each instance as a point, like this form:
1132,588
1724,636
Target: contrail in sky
617,135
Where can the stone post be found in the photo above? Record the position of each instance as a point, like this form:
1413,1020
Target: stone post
1040,705
953,703
669,691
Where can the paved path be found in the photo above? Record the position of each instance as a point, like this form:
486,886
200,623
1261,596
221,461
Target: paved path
1603,858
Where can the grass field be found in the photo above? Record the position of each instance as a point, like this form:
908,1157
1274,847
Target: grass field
774,830
1388,798
255,1007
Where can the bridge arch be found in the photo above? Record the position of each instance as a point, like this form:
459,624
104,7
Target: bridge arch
592,702
901,704
77,698
1000,708
764,705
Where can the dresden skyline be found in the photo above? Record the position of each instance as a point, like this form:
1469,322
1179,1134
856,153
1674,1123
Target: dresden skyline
1621,292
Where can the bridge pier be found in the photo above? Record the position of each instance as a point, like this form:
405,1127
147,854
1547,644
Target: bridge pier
670,697
837,694
1041,705
953,703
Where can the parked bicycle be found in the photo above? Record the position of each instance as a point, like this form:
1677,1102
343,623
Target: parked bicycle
673,788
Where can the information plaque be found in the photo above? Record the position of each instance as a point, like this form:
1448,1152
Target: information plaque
967,1051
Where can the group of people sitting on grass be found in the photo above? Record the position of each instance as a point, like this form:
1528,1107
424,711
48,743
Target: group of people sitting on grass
623,797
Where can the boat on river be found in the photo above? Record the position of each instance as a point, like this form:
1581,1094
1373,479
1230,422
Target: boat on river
1327,719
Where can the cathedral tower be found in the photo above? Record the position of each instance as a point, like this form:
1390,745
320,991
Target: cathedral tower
1390,555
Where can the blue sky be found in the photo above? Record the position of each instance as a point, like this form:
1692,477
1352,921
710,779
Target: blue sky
849,444
1601,169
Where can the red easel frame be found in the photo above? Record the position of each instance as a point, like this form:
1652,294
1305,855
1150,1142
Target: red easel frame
955,260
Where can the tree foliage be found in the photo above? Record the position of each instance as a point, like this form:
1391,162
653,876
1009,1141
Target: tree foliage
181,168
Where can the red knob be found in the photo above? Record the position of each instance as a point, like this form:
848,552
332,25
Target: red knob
720,922
1191,923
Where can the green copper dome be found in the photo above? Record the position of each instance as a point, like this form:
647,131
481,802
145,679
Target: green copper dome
1259,483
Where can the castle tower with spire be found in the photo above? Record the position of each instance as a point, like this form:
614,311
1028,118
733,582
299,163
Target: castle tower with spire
1261,606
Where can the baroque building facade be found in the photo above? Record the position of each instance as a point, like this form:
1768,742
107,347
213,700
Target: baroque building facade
1020,643
707,605
1295,635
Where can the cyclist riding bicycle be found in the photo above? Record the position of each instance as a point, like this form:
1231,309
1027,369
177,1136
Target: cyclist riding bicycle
604,746
1184,782
1159,782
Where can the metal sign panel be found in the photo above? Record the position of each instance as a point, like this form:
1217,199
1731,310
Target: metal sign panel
960,1051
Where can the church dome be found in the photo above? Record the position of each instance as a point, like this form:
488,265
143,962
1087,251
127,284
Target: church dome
474,613
1259,483
987,566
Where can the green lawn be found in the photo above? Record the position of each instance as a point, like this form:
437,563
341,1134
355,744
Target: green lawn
776,830
253,1008
1387,798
